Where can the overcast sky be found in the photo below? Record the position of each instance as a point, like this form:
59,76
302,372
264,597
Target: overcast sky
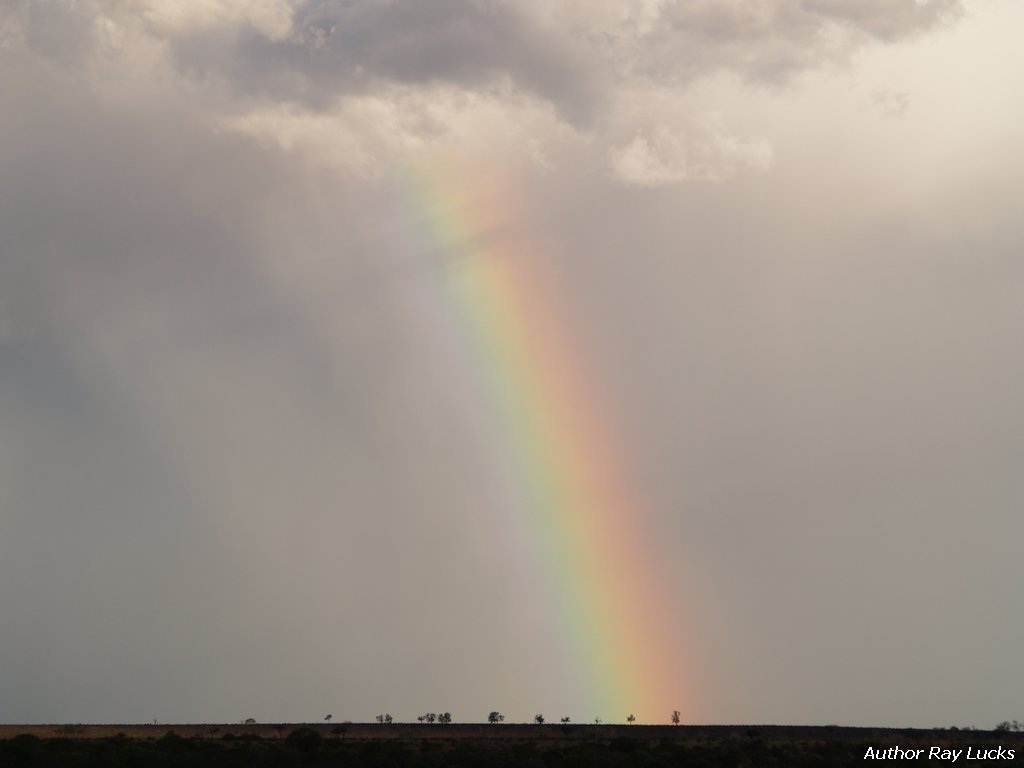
239,477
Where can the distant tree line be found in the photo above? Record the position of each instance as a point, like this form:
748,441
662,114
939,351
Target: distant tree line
494,717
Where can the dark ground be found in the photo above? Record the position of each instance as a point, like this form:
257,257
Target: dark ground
511,746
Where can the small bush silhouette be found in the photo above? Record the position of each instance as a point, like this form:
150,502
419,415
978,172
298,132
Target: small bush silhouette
172,742
304,740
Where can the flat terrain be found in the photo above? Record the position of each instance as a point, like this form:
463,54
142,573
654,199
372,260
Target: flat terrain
549,732
400,744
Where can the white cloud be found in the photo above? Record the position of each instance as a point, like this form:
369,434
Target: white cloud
675,41
367,135
664,155
272,18
652,163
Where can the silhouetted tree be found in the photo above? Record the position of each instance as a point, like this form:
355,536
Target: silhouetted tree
445,718
538,719
631,719
565,721
385,719
495,717
675,717
328,718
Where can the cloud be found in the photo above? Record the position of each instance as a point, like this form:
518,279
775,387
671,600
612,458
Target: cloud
890,103
367,82
765,41
219,334
332,50
574,55
670,156
61,31
370,135
885,20
7,331
220,363
271,18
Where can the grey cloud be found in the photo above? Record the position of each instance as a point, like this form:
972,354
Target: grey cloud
195,442
885,19
769,41
239,474
59,30
336,49
340,48
701,153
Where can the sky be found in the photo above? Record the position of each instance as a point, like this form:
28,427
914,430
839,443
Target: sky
570,357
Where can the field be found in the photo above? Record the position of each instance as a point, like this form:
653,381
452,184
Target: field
527,746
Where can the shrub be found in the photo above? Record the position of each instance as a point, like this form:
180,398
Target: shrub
304,740
171,742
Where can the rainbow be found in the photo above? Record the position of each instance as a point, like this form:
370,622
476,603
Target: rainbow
622,629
